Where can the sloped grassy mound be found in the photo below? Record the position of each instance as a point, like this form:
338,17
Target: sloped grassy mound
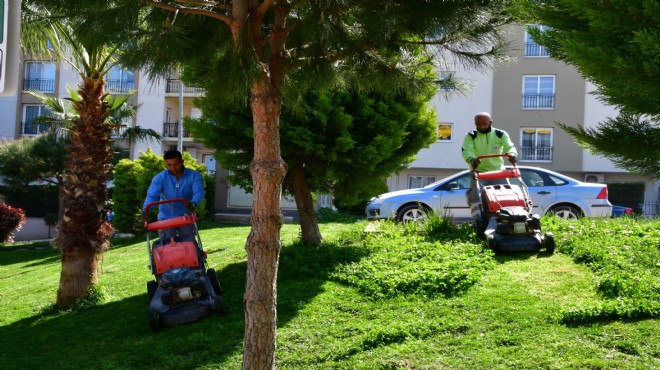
623,254
438,258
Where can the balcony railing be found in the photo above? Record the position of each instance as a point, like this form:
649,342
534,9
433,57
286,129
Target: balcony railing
119,86
533,49
118,131
39,84
34,128
536,153
538,101
174,86
171,129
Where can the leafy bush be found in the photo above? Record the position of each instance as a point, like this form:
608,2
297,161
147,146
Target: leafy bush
401,261
326,214
11,220
623,254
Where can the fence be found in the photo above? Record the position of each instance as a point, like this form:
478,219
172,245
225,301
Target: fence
650,208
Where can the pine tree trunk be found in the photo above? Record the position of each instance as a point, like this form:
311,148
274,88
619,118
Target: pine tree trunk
309,225
263,244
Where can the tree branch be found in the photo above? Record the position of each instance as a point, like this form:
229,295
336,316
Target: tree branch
190,10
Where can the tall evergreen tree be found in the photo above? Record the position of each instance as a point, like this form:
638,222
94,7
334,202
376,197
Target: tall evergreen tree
616,45
341,142
257,51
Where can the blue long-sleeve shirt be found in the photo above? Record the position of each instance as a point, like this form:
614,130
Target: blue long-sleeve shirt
166,186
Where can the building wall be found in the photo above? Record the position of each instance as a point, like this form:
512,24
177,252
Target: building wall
509,115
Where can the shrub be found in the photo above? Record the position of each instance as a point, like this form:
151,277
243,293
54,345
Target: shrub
11,219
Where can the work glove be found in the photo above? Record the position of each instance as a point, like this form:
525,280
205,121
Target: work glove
513,158
474,162
191,207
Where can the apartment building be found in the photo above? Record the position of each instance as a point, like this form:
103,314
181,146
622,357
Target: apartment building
526,97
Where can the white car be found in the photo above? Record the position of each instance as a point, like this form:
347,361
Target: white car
551,193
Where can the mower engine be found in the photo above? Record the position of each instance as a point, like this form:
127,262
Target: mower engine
182,284
516,220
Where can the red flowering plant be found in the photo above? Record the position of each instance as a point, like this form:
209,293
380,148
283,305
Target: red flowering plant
11,220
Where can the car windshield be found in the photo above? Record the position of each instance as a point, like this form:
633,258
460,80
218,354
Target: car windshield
452,177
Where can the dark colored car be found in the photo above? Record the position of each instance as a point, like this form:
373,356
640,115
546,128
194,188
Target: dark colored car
619,211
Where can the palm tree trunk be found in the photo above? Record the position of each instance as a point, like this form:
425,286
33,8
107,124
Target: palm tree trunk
82,234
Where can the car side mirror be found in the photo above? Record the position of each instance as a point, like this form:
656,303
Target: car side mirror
452,186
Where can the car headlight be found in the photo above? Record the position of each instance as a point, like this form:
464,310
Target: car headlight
376,201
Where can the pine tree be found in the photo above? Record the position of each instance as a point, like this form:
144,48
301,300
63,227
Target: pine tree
616,45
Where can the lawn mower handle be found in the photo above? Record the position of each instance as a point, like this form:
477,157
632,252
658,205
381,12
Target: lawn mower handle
171,222
173,200
493,156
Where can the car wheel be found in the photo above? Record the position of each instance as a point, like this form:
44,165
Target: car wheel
215,283
412,213
567,212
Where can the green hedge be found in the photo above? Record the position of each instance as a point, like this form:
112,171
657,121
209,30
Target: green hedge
628,194
35,200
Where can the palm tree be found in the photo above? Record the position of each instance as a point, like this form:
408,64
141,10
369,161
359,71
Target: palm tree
82,233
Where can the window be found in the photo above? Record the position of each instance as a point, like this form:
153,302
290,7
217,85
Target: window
30,124
538,92
444,131
120,80
415,182
532,48
39,76
536,144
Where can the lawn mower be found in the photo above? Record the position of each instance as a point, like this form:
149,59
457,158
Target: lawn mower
506,218
183,289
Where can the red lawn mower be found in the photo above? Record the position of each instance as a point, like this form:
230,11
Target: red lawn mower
506,218
183,289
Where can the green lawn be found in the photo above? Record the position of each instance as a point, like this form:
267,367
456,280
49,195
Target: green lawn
396,299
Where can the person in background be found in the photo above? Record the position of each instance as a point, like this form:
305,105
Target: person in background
483,140
176,181
110,215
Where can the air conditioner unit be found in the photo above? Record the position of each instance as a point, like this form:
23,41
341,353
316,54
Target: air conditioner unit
594,177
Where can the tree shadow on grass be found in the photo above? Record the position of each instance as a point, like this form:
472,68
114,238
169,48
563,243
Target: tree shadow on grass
44,253
116,335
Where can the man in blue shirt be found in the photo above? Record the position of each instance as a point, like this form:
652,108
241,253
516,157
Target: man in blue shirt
176,181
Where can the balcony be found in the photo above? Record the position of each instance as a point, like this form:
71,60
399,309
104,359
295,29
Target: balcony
533,49
39,84
171,129
119,86
536,153
538,101
174,86
118,131
34,128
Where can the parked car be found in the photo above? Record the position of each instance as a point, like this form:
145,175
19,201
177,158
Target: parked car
619,211
551,193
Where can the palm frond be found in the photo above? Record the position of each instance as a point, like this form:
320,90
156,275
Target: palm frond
137,134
